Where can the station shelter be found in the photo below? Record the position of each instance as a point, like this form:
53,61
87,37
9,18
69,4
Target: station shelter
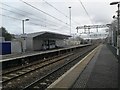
44,40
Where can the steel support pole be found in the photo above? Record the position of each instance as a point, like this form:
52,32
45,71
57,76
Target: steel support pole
23,26
70,18
22,44
118,31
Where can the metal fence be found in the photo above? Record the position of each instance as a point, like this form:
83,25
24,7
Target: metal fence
114,50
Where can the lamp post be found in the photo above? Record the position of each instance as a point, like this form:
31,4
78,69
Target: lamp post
118,3
23,26
70,18
114,32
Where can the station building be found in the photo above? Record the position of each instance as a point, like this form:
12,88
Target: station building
43,41
33,42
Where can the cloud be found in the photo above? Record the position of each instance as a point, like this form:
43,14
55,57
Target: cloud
99,11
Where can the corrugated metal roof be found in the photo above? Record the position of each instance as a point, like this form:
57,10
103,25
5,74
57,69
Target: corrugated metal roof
34,34
47,34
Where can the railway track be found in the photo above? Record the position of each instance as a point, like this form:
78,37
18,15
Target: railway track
11,75
8,76
49,78
23,71
4,72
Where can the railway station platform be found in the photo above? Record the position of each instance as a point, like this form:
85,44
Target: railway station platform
15,55
100,72
8,56
22,59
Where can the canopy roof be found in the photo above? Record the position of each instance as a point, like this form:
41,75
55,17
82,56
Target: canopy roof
48,35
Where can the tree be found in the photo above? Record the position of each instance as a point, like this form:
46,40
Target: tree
5,34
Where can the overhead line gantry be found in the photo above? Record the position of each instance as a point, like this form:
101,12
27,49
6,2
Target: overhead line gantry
88,27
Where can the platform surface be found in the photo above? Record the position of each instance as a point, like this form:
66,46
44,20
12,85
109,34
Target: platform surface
30,53
101,72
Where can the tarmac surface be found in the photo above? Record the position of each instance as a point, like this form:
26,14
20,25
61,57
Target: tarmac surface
101,72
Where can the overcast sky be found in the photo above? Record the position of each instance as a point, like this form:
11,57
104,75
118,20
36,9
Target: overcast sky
57,20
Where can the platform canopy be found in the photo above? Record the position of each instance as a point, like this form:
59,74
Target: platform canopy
48,35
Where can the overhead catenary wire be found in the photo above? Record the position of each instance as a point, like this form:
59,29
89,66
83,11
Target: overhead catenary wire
59,11
55,8
24,15
12,11
21,19
28,13
28,17
29,22
36,16
10,17
86,11
14,8
73,21
43,12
